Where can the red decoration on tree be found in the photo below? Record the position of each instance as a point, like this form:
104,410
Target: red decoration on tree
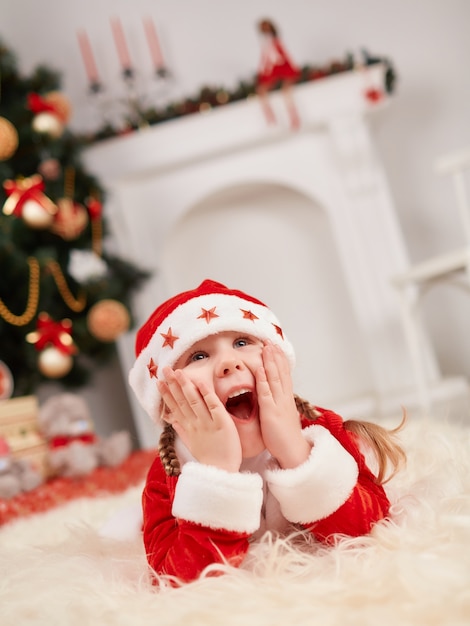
52,112
95,208
53,102
37,104
22,190
57,334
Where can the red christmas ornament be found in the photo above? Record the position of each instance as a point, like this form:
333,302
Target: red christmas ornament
95,208
26,190
6,381
51,333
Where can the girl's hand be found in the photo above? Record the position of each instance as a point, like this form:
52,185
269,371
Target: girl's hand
280,421
201,420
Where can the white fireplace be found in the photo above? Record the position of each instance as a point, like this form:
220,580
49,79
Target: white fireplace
303,220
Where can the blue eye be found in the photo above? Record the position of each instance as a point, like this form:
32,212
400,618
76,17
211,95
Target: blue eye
241,342
197,356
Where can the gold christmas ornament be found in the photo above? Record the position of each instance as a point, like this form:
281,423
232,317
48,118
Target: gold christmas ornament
8,139
35,215
53,363
107,320
70,220
60,103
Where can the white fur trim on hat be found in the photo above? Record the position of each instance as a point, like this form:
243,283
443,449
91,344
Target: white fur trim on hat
190,322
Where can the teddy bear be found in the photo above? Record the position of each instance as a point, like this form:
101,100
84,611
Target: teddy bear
16,475
74,447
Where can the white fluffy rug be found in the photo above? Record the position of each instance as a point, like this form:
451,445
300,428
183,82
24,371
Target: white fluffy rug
57,569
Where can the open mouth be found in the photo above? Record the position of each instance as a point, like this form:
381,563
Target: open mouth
240,404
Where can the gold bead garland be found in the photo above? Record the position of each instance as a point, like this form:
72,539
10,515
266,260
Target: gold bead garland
74,304
97,236
33,299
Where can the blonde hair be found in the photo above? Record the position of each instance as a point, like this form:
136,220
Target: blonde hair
389,453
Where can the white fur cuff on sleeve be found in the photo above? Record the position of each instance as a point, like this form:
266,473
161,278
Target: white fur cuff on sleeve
319,486
213,497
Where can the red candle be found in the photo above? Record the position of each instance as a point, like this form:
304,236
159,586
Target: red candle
121,45
153,43
88,58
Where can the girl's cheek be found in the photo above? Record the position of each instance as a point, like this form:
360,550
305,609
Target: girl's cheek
198,378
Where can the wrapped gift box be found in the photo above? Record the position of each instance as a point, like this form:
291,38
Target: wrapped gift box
19,426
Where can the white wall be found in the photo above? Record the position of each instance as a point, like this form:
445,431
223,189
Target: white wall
214,42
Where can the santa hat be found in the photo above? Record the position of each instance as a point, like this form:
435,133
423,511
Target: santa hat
189,317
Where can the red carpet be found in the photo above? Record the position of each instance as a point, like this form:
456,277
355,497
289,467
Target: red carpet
57,491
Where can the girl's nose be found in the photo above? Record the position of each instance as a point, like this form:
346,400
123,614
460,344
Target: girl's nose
228,363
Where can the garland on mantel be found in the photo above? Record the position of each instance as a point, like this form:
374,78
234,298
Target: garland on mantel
211,97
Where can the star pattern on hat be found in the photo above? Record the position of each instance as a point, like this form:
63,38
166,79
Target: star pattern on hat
278,329
208,314
152,368
248,315
169,338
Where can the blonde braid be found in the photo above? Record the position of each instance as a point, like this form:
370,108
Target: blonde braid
166,449
306,409
389,453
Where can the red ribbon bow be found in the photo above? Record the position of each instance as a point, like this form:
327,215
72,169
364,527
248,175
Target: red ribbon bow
53,333
21,190
37,104
64,440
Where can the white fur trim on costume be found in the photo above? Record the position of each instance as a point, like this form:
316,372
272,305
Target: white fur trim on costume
188,324
215,498
318,487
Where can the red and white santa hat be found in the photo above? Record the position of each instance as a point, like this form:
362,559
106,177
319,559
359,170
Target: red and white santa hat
189,317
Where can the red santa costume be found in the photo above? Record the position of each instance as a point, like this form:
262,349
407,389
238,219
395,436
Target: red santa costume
208,515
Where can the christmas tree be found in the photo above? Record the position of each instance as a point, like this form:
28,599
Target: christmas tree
63,299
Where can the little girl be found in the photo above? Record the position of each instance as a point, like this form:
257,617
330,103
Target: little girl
240,454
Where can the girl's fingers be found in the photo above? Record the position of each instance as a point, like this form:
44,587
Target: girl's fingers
263,388
182,396
275,373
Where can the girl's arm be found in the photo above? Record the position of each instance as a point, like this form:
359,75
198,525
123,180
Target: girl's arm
323,481
333,492
204,516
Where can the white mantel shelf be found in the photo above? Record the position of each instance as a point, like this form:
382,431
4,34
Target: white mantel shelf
235,126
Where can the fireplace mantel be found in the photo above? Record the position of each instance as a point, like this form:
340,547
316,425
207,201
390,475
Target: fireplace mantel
162,178
237,126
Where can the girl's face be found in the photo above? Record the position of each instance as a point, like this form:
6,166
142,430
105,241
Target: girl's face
227,363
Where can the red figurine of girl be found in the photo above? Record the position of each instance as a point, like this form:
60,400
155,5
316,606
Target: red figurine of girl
276,67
